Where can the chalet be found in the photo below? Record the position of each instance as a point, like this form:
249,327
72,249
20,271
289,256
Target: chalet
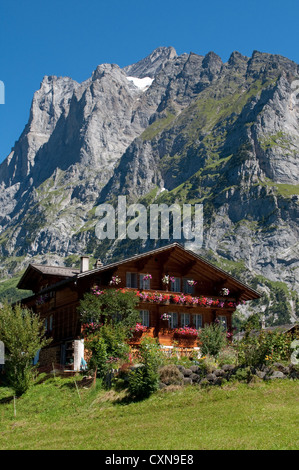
177,289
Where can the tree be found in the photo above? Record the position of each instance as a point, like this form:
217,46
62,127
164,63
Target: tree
22,333
112,306
253,322
144,380
212,339
108,318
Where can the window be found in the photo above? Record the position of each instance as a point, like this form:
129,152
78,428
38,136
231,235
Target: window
197,320
144,316
187,288
173,322
176,285
144,283
223,321
131,280
185,319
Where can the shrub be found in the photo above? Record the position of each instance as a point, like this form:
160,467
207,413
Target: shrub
243,374
108,317
144,380
207,364
228,355
264,347
116,341
99,356
22,332
112,306
212,339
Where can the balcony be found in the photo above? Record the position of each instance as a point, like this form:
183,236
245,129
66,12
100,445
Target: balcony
186,300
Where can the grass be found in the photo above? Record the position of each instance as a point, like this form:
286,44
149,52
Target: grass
51,415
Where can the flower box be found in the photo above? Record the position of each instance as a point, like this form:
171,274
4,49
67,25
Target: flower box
186,331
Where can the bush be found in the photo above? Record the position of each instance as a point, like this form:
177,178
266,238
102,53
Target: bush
243,374
207,364
228,355
112,306
116,341
144,380
264,347
108,317
99,357
212,339
22,333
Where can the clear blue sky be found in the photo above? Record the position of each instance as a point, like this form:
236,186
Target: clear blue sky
71,37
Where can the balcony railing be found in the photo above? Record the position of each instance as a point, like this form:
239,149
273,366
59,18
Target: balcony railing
179,298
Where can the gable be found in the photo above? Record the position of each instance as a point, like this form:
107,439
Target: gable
38,277
177,261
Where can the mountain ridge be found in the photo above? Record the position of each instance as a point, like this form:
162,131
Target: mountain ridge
200,131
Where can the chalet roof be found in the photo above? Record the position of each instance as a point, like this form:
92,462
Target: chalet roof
175,250
182,254
34,271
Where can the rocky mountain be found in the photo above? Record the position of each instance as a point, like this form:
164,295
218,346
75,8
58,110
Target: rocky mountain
169,129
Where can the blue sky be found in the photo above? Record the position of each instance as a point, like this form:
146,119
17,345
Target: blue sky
71,37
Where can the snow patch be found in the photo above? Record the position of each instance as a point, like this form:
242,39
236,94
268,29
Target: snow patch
141,83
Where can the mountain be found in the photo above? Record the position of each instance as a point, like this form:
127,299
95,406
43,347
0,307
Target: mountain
169,129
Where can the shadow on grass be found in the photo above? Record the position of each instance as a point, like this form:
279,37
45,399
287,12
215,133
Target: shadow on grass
118,397
6,400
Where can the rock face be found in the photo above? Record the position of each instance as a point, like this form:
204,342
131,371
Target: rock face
185,129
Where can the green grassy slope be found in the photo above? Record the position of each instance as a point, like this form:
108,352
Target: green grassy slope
53,416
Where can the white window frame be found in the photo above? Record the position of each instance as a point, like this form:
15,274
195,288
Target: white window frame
144,283
173,285
187,288
144,316
129,280
174,320
195,317
184,317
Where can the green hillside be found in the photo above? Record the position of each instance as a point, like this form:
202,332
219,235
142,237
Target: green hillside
55,415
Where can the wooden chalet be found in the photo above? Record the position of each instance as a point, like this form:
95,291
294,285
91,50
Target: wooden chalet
198,293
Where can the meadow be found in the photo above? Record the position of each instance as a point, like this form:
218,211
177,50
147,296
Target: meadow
62,414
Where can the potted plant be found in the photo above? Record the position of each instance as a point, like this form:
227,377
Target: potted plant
224,291
166,279
165,316
115,281
138,331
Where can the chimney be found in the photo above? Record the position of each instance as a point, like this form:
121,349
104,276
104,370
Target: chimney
84,266
98,264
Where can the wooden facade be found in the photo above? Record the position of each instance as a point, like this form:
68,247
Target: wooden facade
58,291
